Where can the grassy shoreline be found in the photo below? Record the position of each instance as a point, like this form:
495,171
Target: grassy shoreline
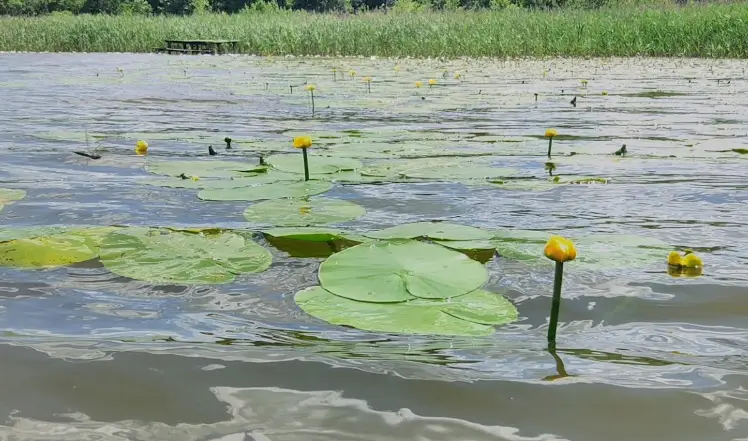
711,31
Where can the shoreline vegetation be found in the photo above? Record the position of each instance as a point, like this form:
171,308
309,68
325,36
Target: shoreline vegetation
698,30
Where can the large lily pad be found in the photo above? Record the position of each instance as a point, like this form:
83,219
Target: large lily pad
202,169
301,213
170,256
294,163
50,247
431,230
472,314
395,271
275,190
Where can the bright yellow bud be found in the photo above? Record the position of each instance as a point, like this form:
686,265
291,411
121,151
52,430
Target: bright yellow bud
141,147
418,84
432,82
673,258
302,142
550,133
560,249
691,261
310,87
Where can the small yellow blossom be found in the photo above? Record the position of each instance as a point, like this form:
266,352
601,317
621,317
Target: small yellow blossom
560,249
458,75
141,147
310,87
673,258
418,84
691,260
367,79
194,178
550,133
302,142
432,82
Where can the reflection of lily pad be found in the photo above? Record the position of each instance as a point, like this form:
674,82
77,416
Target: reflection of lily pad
294,163
400,270
202,169
431,230
311,242
472,314
36,248
276,190
168,256
296,212
312,234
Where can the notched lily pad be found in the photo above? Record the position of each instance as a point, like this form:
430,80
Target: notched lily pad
48,247
431,230
301,213
318,164
169,256
203,169
473,314
275,190
395,271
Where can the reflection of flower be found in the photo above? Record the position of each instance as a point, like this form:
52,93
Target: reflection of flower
418,84
560,249
550,133
302,142
310,87
141,147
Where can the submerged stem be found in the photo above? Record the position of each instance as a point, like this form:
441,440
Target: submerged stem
555,305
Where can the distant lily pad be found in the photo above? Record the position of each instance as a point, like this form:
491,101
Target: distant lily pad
300,213
294,163
396,271
473,314
461,173
431,230
9,195
169,256
50,247
203,169
249,180
276,190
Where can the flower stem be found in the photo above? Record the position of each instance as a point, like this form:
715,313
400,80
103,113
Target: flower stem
306,165
312,95
550,143
555,305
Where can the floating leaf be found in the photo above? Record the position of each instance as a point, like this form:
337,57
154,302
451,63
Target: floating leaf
461,173
276,190
467,245
472,314
294,163
296,212
312,234
248,180
400,270
431,230
203,169
33,248
9,195
168,256
311,242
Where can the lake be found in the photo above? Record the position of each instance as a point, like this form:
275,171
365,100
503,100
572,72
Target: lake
642,354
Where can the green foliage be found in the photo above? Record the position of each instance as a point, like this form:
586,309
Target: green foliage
135,7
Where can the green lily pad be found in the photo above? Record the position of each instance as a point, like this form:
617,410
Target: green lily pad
36,248
275,190
395,271
300,213
294,163
169,256
247,180
461,173
467,245
313,234
431,230
203,169
9,195
473,314
311,242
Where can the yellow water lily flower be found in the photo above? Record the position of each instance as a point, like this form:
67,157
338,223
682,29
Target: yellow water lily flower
550,133
302,142
310,87
458,75
673,258
560,249
194,178
418,84
367,79
432,82
141,147
691,260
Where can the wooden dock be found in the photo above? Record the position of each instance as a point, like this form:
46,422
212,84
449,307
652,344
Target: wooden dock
213,47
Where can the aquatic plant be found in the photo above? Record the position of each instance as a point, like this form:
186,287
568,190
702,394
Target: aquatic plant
550,134
303,143
311,88
558,249
687,264
141,148
367,81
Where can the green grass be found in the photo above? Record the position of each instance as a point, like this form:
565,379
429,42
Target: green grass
716,30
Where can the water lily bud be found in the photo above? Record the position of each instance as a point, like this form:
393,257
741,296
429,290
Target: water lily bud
691,261
302,142
550,133
141,147
673,258
310,87
560,249
418,84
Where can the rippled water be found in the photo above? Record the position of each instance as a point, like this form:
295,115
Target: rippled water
643,356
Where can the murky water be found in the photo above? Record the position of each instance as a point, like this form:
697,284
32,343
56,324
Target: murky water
643,356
